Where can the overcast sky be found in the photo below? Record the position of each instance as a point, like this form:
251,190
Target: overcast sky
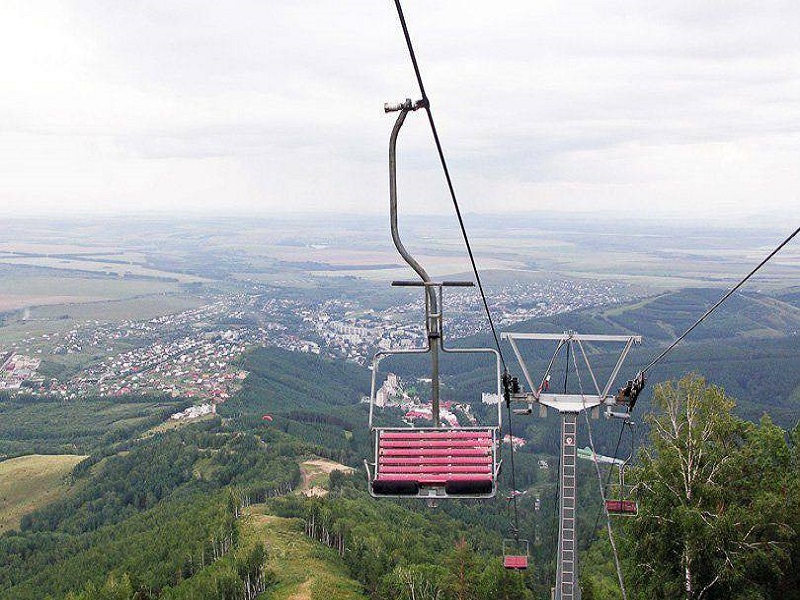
678,108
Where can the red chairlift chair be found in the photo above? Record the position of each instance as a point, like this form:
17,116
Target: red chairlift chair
434,462
619,500
515,554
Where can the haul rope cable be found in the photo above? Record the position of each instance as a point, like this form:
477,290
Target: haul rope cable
610,473
506,384
427,106
727,295
600,481
658,359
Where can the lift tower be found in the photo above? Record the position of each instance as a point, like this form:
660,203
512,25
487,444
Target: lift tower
569,407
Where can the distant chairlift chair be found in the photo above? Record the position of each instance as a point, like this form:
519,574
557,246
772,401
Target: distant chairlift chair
622,505
515,554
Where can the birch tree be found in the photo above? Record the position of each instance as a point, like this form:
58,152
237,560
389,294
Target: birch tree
712,496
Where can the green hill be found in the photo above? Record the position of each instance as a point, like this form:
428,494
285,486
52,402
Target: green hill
663,317
749,346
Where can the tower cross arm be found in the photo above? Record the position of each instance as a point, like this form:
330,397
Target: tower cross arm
571,335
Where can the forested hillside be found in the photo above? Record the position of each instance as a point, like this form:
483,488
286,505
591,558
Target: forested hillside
749,347
195,511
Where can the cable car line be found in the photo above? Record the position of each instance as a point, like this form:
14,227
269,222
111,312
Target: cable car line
599,480
628,394
425,103
608,479
727,295
667,350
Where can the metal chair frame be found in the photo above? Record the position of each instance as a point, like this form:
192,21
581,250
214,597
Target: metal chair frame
434,319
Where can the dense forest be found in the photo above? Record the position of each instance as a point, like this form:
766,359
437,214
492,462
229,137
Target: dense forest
167,515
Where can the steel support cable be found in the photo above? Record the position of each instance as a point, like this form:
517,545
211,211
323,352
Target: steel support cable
608,479
427,105
513,471
727,295
600,483
552,362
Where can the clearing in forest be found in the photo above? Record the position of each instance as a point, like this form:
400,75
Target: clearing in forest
306,570
316,473
29,482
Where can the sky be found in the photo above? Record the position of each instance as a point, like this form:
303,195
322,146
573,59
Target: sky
668,109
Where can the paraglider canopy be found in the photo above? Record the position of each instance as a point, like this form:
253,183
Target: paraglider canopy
266,418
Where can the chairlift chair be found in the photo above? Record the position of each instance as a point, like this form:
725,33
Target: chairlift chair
619,500
429,462
434,463
622,504
515,554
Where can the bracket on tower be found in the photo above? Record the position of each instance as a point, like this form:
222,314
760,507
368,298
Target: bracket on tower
569,402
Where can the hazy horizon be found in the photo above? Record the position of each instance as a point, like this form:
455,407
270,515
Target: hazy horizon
775,221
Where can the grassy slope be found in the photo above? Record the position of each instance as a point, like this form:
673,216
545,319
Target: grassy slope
316,475
29,482
306,570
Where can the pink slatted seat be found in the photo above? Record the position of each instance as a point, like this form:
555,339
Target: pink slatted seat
424,451
515,562
426,444
438,460
433,434
461,461
621,507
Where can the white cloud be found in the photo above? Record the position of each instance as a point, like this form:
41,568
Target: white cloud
672,107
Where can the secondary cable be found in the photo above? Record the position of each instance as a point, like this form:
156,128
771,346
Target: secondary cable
507,397
608,479
727,295
600,483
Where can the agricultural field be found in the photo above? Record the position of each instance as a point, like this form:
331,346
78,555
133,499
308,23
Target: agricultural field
284,251
20,288
37,306
30,482
88,265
